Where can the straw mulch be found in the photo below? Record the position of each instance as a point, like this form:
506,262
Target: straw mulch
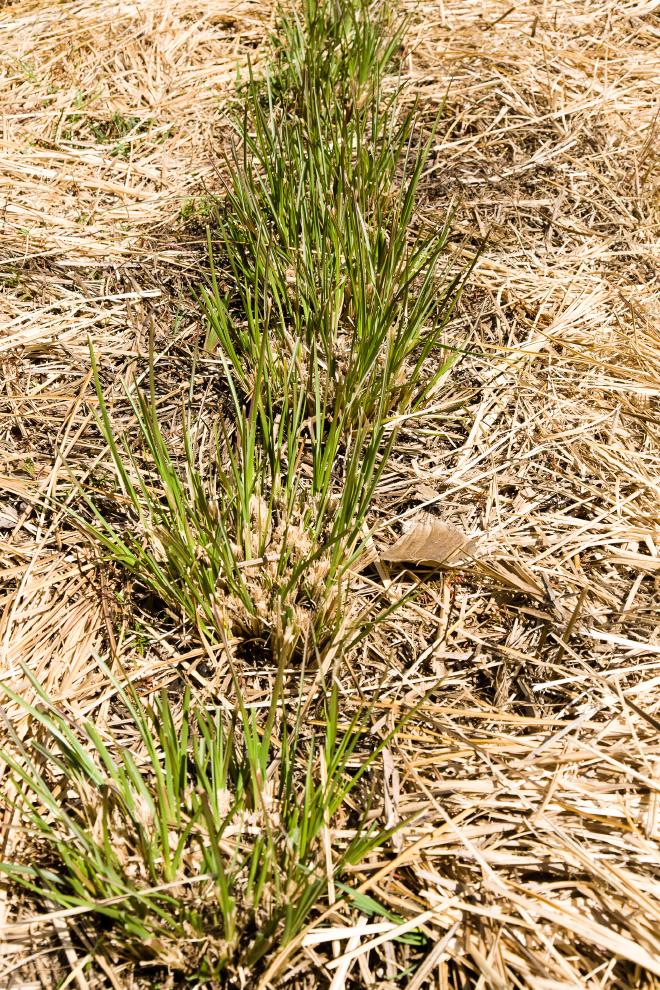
532,771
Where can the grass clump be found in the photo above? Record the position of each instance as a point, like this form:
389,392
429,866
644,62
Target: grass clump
316,231
326,314
197,840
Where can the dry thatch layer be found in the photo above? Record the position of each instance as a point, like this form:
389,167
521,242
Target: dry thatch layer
532,771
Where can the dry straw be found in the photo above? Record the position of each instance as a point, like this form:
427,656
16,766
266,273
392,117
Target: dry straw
531,774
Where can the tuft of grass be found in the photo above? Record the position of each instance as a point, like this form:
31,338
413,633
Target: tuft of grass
326,309
198,840
316,229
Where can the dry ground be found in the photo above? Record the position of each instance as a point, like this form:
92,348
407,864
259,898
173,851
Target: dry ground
535,857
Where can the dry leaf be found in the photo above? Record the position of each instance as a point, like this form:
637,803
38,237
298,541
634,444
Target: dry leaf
428,540
8,516
426,492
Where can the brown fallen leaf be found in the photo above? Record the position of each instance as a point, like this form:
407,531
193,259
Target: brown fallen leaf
8,516
428,540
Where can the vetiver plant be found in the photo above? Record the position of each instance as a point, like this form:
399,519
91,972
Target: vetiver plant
199,840
326,313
